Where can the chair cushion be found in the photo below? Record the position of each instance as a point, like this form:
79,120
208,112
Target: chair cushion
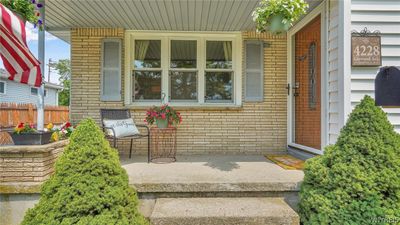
122,128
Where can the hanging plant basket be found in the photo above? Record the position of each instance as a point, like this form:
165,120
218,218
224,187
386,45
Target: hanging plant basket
278,25
36,138
278,16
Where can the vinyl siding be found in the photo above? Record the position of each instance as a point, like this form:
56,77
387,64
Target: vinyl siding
333,72
384,16
21,93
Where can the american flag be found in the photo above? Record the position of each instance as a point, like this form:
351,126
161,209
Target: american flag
19,62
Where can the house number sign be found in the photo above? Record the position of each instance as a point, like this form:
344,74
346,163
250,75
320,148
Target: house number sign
366,48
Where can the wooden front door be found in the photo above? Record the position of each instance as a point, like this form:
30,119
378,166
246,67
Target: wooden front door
308,85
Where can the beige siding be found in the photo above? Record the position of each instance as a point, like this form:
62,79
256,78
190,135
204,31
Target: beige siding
333,72
253,128
383,16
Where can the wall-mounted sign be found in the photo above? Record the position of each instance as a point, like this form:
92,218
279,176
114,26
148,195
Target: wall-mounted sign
387,83
366,48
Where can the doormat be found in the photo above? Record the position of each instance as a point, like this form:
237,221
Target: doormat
287,162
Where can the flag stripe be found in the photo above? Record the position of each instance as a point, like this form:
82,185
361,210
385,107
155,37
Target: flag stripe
19,62
14,54
13,24
18,45
9,68
20,52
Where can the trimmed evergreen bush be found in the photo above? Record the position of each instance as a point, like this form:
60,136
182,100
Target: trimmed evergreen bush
89,185
357,180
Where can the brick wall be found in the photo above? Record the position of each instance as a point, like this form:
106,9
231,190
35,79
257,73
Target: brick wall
253,128
29,163
85,70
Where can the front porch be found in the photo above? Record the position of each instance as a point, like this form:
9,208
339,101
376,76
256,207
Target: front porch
222,185
213,187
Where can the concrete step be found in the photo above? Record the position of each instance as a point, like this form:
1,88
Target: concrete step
223,211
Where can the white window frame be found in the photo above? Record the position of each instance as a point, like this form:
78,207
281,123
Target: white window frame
5,87
201,38
119,96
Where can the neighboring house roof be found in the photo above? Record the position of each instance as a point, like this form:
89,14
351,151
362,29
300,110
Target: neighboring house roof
165,15
3,76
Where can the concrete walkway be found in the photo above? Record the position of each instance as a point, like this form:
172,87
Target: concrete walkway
211,173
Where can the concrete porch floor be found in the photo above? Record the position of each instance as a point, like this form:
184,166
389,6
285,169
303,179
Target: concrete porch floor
227,178
211,173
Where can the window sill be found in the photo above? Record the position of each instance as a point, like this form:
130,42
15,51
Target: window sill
187,106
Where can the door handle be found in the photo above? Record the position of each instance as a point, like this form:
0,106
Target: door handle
288,89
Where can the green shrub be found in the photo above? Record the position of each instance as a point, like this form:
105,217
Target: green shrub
89,185
357,180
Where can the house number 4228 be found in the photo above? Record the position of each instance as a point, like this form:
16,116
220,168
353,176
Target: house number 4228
366,50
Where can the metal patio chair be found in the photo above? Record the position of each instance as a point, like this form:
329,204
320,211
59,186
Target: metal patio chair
117,114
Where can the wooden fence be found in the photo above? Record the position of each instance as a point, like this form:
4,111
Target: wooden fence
11,114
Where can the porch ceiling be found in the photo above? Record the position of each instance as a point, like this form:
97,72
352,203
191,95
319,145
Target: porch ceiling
164,15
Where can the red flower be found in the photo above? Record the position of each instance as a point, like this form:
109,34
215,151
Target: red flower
21,125
163,116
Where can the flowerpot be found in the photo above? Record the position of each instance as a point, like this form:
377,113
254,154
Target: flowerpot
39,138
277,25
162,123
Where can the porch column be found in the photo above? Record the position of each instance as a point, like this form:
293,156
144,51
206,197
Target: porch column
41,49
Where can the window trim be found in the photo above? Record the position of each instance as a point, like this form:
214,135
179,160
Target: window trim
118,97
201,37
5,87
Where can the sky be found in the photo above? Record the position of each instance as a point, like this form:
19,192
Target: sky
55,49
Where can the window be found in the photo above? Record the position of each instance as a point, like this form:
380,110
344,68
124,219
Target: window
147,70
312,64
219,73
185,68
111,70
35,91
2,87
254,80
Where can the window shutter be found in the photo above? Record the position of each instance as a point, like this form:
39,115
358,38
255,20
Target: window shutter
254,71
111,70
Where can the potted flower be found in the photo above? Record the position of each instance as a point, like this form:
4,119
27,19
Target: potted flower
278,16
26,10
26,134
60,132
164,116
